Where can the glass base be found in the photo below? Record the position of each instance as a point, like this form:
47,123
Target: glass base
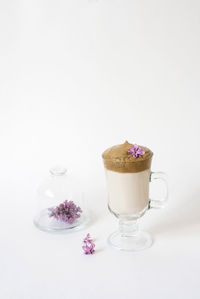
139,241
49,224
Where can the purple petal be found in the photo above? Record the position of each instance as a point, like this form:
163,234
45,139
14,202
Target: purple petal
136,151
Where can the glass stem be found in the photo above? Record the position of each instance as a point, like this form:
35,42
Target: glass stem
128,228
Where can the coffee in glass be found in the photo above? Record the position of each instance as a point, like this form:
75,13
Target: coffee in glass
128,173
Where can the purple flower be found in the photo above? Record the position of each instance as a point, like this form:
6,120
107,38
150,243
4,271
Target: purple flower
89,245
136,151
66,212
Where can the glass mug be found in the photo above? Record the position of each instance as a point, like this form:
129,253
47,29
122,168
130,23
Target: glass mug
128,200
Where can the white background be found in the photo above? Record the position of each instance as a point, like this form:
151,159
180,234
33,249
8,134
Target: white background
77,77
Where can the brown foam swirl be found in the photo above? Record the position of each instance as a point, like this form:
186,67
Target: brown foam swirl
117,158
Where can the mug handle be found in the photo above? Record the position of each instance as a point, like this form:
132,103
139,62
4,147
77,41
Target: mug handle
159,202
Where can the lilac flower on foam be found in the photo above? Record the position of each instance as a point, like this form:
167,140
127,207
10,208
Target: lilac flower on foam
136,151
66,212
89,245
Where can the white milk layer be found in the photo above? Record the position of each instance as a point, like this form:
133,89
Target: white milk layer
128,193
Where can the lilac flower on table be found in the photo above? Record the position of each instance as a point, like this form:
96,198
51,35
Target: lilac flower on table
66,212
89,245
136,151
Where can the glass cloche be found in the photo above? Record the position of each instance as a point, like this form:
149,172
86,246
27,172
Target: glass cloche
60,204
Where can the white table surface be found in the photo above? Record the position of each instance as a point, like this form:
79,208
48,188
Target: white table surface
35,264
75,78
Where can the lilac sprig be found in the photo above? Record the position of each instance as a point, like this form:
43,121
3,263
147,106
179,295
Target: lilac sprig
66,212
89,245
136,151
